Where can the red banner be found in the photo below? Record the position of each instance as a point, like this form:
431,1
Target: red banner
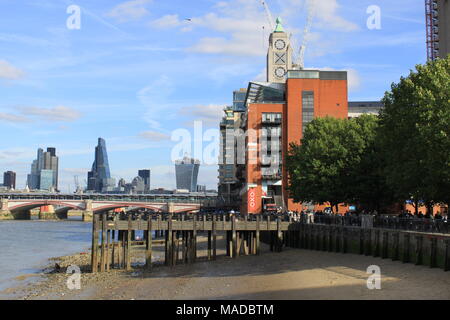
251,199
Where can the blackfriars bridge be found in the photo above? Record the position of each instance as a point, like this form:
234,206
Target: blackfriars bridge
18,205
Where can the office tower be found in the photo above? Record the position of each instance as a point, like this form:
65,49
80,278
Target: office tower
45,161
138,185
9,180
187,173
46,180
145,175
51,163
201,188
99,178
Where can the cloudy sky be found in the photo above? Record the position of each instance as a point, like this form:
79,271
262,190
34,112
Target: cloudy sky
136,71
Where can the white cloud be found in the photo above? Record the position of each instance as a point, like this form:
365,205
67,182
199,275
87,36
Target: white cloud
59,113
9,72
326,12
240,23
129,10
9,117
154,136
209,115
167,21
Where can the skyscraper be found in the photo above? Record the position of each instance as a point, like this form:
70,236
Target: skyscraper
47,161
186,171
99,178
145,175
9,180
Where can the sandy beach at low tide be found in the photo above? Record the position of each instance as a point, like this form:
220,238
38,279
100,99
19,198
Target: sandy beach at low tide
291,274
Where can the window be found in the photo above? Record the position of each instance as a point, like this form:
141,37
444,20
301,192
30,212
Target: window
307,108
272,117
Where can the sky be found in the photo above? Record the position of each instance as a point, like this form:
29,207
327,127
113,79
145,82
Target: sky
138,73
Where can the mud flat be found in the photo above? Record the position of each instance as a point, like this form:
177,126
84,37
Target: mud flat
291,274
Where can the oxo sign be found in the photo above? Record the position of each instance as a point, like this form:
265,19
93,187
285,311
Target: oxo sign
252,199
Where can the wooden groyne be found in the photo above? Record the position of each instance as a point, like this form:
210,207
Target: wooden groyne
113,236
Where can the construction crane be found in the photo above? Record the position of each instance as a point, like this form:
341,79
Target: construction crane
301,55
77,184
269,15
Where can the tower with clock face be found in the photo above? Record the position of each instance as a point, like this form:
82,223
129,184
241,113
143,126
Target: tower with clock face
279,56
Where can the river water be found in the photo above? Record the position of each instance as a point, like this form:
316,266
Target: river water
26,246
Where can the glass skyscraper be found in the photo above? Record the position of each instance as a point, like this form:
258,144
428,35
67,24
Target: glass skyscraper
48,162
187,173
145,175
99,178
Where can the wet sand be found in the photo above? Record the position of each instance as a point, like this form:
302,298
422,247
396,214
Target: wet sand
291,274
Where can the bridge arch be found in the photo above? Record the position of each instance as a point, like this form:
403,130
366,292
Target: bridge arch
36,204
125,205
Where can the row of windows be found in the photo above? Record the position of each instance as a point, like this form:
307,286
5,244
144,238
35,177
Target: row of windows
271,117
307,107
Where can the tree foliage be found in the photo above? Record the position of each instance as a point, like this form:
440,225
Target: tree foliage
336,163
415,134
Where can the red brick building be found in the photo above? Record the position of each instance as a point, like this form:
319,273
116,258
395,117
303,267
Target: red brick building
279,113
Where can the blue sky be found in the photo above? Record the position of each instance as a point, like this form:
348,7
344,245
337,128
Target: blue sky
137,70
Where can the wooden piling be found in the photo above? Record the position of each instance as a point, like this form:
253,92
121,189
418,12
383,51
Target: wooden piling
419,250
113,249
103,251
396,238
194,239
94,249
406,248
257,244
384,250
376,251
128,256
148,244
233,237
361,241
279,236
447,256
214,235
209,245
108,244
169,241
433,253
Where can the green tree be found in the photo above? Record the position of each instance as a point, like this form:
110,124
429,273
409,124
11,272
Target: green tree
339,161
415,134
367,183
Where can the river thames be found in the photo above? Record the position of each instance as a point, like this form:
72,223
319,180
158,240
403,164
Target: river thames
26,247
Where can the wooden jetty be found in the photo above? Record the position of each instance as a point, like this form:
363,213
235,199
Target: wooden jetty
113,236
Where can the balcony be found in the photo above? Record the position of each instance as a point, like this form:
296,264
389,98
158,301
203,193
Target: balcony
270,174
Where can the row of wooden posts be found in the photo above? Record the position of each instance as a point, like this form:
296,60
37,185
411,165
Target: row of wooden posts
180,242
244,234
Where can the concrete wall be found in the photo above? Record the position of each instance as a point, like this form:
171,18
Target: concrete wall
444,27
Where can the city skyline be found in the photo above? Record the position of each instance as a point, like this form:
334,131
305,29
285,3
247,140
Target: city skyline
131,88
